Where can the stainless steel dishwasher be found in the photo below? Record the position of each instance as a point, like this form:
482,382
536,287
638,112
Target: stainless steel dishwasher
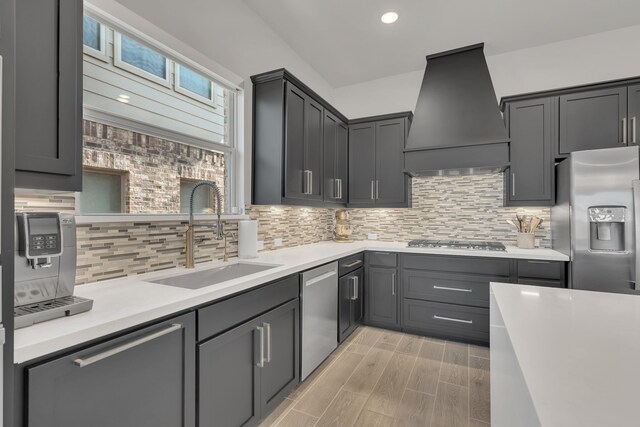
319,295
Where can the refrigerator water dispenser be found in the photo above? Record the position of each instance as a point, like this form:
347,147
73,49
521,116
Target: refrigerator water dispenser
607,228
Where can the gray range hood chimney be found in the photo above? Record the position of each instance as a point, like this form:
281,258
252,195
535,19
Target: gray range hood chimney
457,127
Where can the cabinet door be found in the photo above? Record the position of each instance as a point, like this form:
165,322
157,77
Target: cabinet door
294,187
345,293
146,378
634,113
390,177
229,378
362,164
342,161
49,94
281,370
313,149
357,304
381,296
330,190
592,120
531,174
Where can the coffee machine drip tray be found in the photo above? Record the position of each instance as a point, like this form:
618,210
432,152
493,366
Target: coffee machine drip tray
27,315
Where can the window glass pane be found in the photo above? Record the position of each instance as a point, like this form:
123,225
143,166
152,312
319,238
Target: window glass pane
201,198
91,32
140,56
101,193
194,82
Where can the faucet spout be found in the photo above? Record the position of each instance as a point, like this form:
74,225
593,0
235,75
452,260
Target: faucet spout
190,234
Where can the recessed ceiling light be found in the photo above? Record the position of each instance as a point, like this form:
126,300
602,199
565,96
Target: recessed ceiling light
389,17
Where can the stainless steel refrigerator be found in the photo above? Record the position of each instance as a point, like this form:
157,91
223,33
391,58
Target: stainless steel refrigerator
595,220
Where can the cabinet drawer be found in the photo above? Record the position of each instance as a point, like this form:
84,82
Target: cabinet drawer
383,259
446,320
349,264
451,288
456,264
550,270
223,315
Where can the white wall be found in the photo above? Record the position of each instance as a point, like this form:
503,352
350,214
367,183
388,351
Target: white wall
605,56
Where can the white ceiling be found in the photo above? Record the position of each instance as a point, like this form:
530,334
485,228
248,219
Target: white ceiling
342,42
346,43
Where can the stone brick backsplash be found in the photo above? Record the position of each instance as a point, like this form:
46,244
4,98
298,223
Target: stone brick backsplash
445,207
468,207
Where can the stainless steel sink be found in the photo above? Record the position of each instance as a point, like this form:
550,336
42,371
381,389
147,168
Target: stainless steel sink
212,276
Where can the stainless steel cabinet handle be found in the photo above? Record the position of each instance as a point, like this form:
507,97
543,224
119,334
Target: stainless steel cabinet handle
260,363
267,327
451,319
340,188
310,182
373,190
538,262
447,288
513,184
354,293
357,288
377,189
393,284
624,131
305,182
124,347
353,264
633,130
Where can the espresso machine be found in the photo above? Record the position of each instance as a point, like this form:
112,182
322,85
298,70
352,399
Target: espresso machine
45,268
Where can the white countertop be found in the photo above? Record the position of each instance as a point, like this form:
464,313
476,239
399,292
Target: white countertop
578,351
123,303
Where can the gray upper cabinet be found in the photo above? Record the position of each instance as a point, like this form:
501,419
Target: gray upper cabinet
336,152
593,119
362,164
143,379
376,161
532,127
294,162
49,94
634,113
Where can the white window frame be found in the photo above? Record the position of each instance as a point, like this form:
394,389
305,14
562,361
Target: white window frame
234,147
118,62
102,53
186,92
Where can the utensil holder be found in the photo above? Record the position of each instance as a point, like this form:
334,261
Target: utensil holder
526,240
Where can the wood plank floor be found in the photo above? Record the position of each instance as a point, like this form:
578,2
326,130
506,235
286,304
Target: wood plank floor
385,378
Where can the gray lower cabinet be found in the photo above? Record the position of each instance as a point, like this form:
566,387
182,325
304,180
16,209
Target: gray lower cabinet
145,378
532,127
381,296
48,107
245,372
593,119
376,161
541,273
350,303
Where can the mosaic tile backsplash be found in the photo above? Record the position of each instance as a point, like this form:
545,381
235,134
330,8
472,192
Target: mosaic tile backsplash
468,207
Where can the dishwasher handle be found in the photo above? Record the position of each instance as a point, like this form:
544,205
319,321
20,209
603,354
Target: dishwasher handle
320,278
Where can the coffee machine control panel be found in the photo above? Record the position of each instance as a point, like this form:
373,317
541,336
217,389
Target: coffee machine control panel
40,235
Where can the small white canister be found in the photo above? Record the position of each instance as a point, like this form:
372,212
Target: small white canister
526,240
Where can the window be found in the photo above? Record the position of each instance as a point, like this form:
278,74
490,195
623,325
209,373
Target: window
141,60
202,199
194,84
94,38
101,192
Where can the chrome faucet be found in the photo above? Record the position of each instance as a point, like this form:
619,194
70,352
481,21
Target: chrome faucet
190,234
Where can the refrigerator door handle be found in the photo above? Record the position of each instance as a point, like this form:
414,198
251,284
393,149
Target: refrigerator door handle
636,211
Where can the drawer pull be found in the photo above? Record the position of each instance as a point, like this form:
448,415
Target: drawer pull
451,319
446,288
538,262
352,264
260,363
124,347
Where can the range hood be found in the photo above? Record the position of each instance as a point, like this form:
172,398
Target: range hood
457,127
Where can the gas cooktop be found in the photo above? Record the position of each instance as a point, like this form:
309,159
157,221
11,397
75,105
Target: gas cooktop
458,244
